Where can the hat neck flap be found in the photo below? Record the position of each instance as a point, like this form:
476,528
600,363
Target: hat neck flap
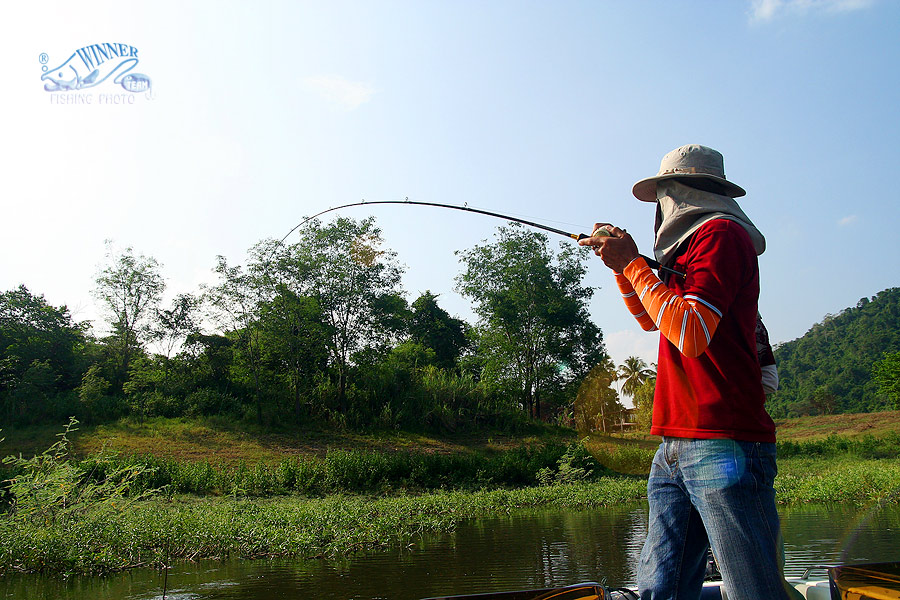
681,210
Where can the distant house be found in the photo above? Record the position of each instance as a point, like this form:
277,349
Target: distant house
627,420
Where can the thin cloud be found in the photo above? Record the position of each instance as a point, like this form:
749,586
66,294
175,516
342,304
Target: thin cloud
847,220
342,92
767,10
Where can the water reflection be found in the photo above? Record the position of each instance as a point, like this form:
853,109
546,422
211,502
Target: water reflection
528,549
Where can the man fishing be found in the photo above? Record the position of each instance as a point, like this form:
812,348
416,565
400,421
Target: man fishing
711,483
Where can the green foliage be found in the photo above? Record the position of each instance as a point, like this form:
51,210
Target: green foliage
643,404
32,331
597,406
129,288
351,471
535,336
575,465
40,357
356,284
434,328
830,368
844,480
886,373
312,333
97,405
51,487
293,345
634,372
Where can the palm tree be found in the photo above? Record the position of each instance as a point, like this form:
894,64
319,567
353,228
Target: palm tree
634,372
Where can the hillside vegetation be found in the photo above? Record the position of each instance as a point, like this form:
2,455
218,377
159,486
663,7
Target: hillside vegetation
829,369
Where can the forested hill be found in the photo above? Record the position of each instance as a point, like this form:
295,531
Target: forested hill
829,369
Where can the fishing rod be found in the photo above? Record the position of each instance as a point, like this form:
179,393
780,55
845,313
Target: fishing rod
575,236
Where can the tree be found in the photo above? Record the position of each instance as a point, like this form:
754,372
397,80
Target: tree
172,326
40,356
643,403
129,287
294,341
597,404
434,328
886,373
822,401
208,358
236,301
356,284
534,329
633,373
32,331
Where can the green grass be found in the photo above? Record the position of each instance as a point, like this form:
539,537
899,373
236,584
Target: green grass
156,532
226,441
844,480
849,426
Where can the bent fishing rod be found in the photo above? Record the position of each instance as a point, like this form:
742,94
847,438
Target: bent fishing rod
653,264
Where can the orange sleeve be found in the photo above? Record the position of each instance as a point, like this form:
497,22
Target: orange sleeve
688,322
633,303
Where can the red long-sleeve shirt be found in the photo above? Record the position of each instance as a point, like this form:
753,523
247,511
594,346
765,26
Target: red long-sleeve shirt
708,375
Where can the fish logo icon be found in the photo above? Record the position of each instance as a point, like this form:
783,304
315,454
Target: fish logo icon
92,65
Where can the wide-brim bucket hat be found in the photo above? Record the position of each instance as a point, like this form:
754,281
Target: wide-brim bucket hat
689,162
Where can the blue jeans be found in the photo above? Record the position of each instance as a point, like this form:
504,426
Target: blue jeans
719,494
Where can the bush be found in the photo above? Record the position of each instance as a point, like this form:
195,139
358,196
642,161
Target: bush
209,402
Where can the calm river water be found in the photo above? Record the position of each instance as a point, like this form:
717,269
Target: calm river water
524,550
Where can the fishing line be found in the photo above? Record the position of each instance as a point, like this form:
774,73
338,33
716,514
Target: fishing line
465,207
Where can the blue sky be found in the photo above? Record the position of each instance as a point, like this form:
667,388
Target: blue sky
264,112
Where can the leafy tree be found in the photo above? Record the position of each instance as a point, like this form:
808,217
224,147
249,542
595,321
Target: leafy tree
822,401
433,327
129,288
209,358
145,380
886,373
643,403
172,326
236,301
356,284
93,393
535,334
597,404
41,356
33,331
294,341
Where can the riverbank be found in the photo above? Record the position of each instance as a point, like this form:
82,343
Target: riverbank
154,532
108,511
